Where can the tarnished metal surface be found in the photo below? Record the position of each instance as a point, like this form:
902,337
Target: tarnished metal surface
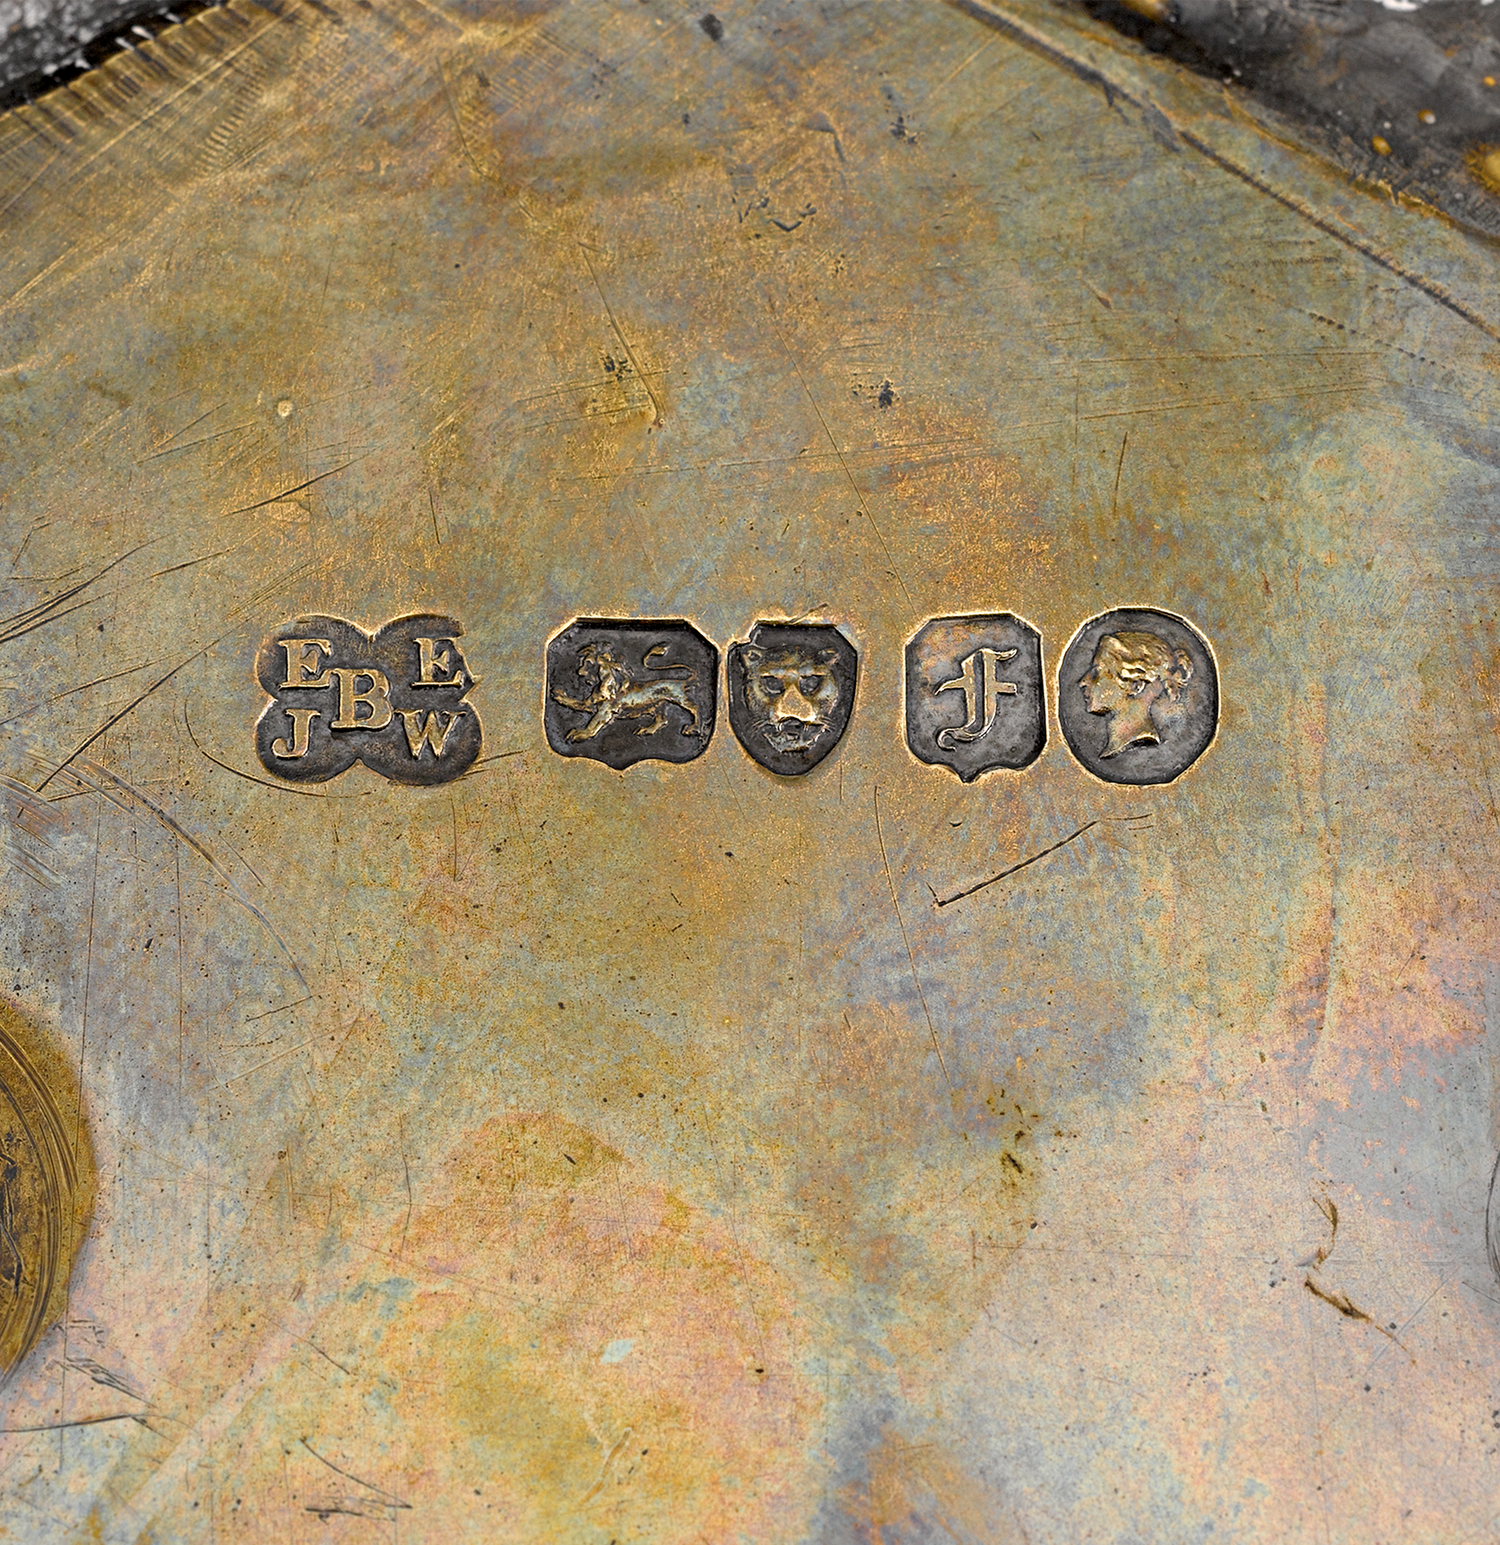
692,1151
1404,94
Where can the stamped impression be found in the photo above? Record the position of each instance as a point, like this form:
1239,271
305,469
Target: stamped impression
396,700
975,694
622,691
791,692
1138,696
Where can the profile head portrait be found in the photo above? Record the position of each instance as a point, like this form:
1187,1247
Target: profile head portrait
1137,679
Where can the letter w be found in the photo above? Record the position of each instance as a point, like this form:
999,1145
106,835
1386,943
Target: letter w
433,733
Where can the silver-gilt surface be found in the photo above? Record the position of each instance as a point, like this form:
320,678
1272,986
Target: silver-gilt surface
714,1148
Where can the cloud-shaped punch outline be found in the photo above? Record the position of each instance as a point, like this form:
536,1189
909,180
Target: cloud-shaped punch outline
391,649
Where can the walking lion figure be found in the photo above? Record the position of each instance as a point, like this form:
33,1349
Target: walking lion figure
618,692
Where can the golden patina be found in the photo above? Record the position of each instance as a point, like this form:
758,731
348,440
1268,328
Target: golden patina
629,1139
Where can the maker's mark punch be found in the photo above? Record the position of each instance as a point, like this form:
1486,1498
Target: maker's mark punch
396,700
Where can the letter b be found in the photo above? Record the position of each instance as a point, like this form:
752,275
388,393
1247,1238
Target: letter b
377,698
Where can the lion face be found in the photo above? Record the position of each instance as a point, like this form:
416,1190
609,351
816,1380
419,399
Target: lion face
597,658
791,694
601,668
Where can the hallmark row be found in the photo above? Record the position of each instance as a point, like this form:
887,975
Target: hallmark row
1138,693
